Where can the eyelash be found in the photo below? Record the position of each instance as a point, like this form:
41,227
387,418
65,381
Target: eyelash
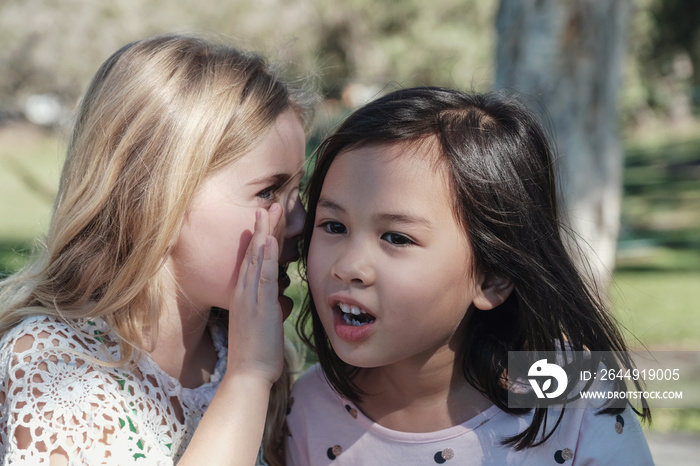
406,241
330,225
327,227
268,193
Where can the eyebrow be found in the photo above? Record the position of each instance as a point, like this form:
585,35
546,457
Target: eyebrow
278,178
393,217
406,219
329,205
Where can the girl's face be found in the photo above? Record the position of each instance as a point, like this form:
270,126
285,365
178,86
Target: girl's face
219,223
389,266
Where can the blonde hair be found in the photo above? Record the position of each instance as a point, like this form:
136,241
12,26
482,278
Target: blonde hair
160,115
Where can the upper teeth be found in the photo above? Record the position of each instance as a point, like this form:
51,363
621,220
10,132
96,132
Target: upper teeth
346,308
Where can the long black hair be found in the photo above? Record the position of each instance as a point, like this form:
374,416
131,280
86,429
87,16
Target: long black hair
501,170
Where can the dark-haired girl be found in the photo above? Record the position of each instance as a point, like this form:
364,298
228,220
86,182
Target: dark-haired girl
432,249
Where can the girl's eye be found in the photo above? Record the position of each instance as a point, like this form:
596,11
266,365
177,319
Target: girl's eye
335,228
397,239
268,193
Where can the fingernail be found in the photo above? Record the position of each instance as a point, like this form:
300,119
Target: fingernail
274,207
257,214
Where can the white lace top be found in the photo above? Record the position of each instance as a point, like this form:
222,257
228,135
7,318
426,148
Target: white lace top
96,414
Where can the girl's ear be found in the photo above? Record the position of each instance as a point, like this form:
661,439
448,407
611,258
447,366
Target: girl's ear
493,290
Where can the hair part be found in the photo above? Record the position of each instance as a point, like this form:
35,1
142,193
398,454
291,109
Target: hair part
500,167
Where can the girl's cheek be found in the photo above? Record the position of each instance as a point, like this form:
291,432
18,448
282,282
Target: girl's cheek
243,244
281,231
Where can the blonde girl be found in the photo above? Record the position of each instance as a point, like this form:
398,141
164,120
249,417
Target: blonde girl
178,201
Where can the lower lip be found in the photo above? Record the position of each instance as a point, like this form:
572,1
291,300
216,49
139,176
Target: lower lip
350,333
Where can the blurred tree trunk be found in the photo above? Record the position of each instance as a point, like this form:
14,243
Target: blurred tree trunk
567,55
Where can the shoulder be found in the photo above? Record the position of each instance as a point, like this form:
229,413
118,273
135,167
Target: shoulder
40,335
615,437
27,329
583,436
34,333
311,391
56,359
313,396
315,412
52,383
602,436
311,379
50,331
596,437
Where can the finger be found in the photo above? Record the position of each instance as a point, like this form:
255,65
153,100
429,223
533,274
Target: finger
275,213
262,226
268,289
252,262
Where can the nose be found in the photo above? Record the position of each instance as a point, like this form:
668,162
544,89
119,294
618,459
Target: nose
352,266
295,219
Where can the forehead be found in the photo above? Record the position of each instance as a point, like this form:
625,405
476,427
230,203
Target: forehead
391,173
280,150
422,156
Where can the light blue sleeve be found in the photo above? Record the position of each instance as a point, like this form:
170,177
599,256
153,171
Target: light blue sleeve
612,439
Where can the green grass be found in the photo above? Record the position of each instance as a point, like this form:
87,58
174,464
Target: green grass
13,255
661,200
30,162
659,308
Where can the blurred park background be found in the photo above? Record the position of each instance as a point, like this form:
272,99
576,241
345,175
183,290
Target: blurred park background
620,80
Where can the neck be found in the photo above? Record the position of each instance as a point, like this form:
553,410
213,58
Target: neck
420,396
183,347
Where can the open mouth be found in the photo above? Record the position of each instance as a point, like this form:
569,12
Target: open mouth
355,316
